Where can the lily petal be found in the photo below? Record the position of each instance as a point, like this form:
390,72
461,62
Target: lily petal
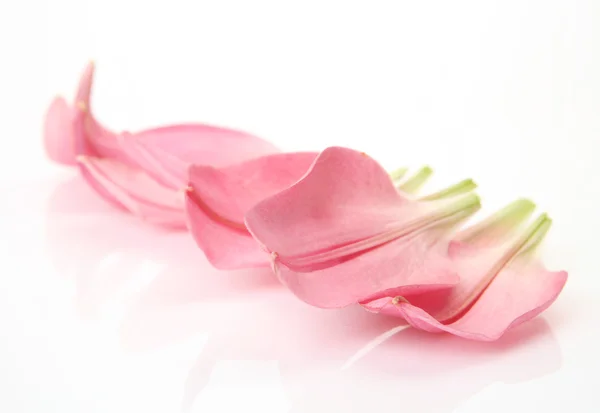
343,233
501,286
133,190
342,190
518,294
218,199
59,140
166,152
91,138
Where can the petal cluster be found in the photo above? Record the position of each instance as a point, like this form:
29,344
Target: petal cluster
143,172
335,226
345,234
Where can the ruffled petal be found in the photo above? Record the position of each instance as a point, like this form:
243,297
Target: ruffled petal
501,285
218,199
516,295
345,196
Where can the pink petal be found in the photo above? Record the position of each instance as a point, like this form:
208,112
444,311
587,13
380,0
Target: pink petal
91,138
500,286
132,189
516,295
219,198
166,152
225,246
344,234
344,190
59,140
104,164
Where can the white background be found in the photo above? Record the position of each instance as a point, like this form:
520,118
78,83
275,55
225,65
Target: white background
101,313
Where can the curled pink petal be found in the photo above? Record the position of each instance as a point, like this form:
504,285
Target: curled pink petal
343,233
218,199
518,294
97,148
500,285
342,190
91,138
132,189
59,140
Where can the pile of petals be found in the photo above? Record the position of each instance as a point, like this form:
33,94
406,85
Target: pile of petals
336,228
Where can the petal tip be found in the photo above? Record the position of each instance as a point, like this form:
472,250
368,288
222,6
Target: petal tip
525,203
427,170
